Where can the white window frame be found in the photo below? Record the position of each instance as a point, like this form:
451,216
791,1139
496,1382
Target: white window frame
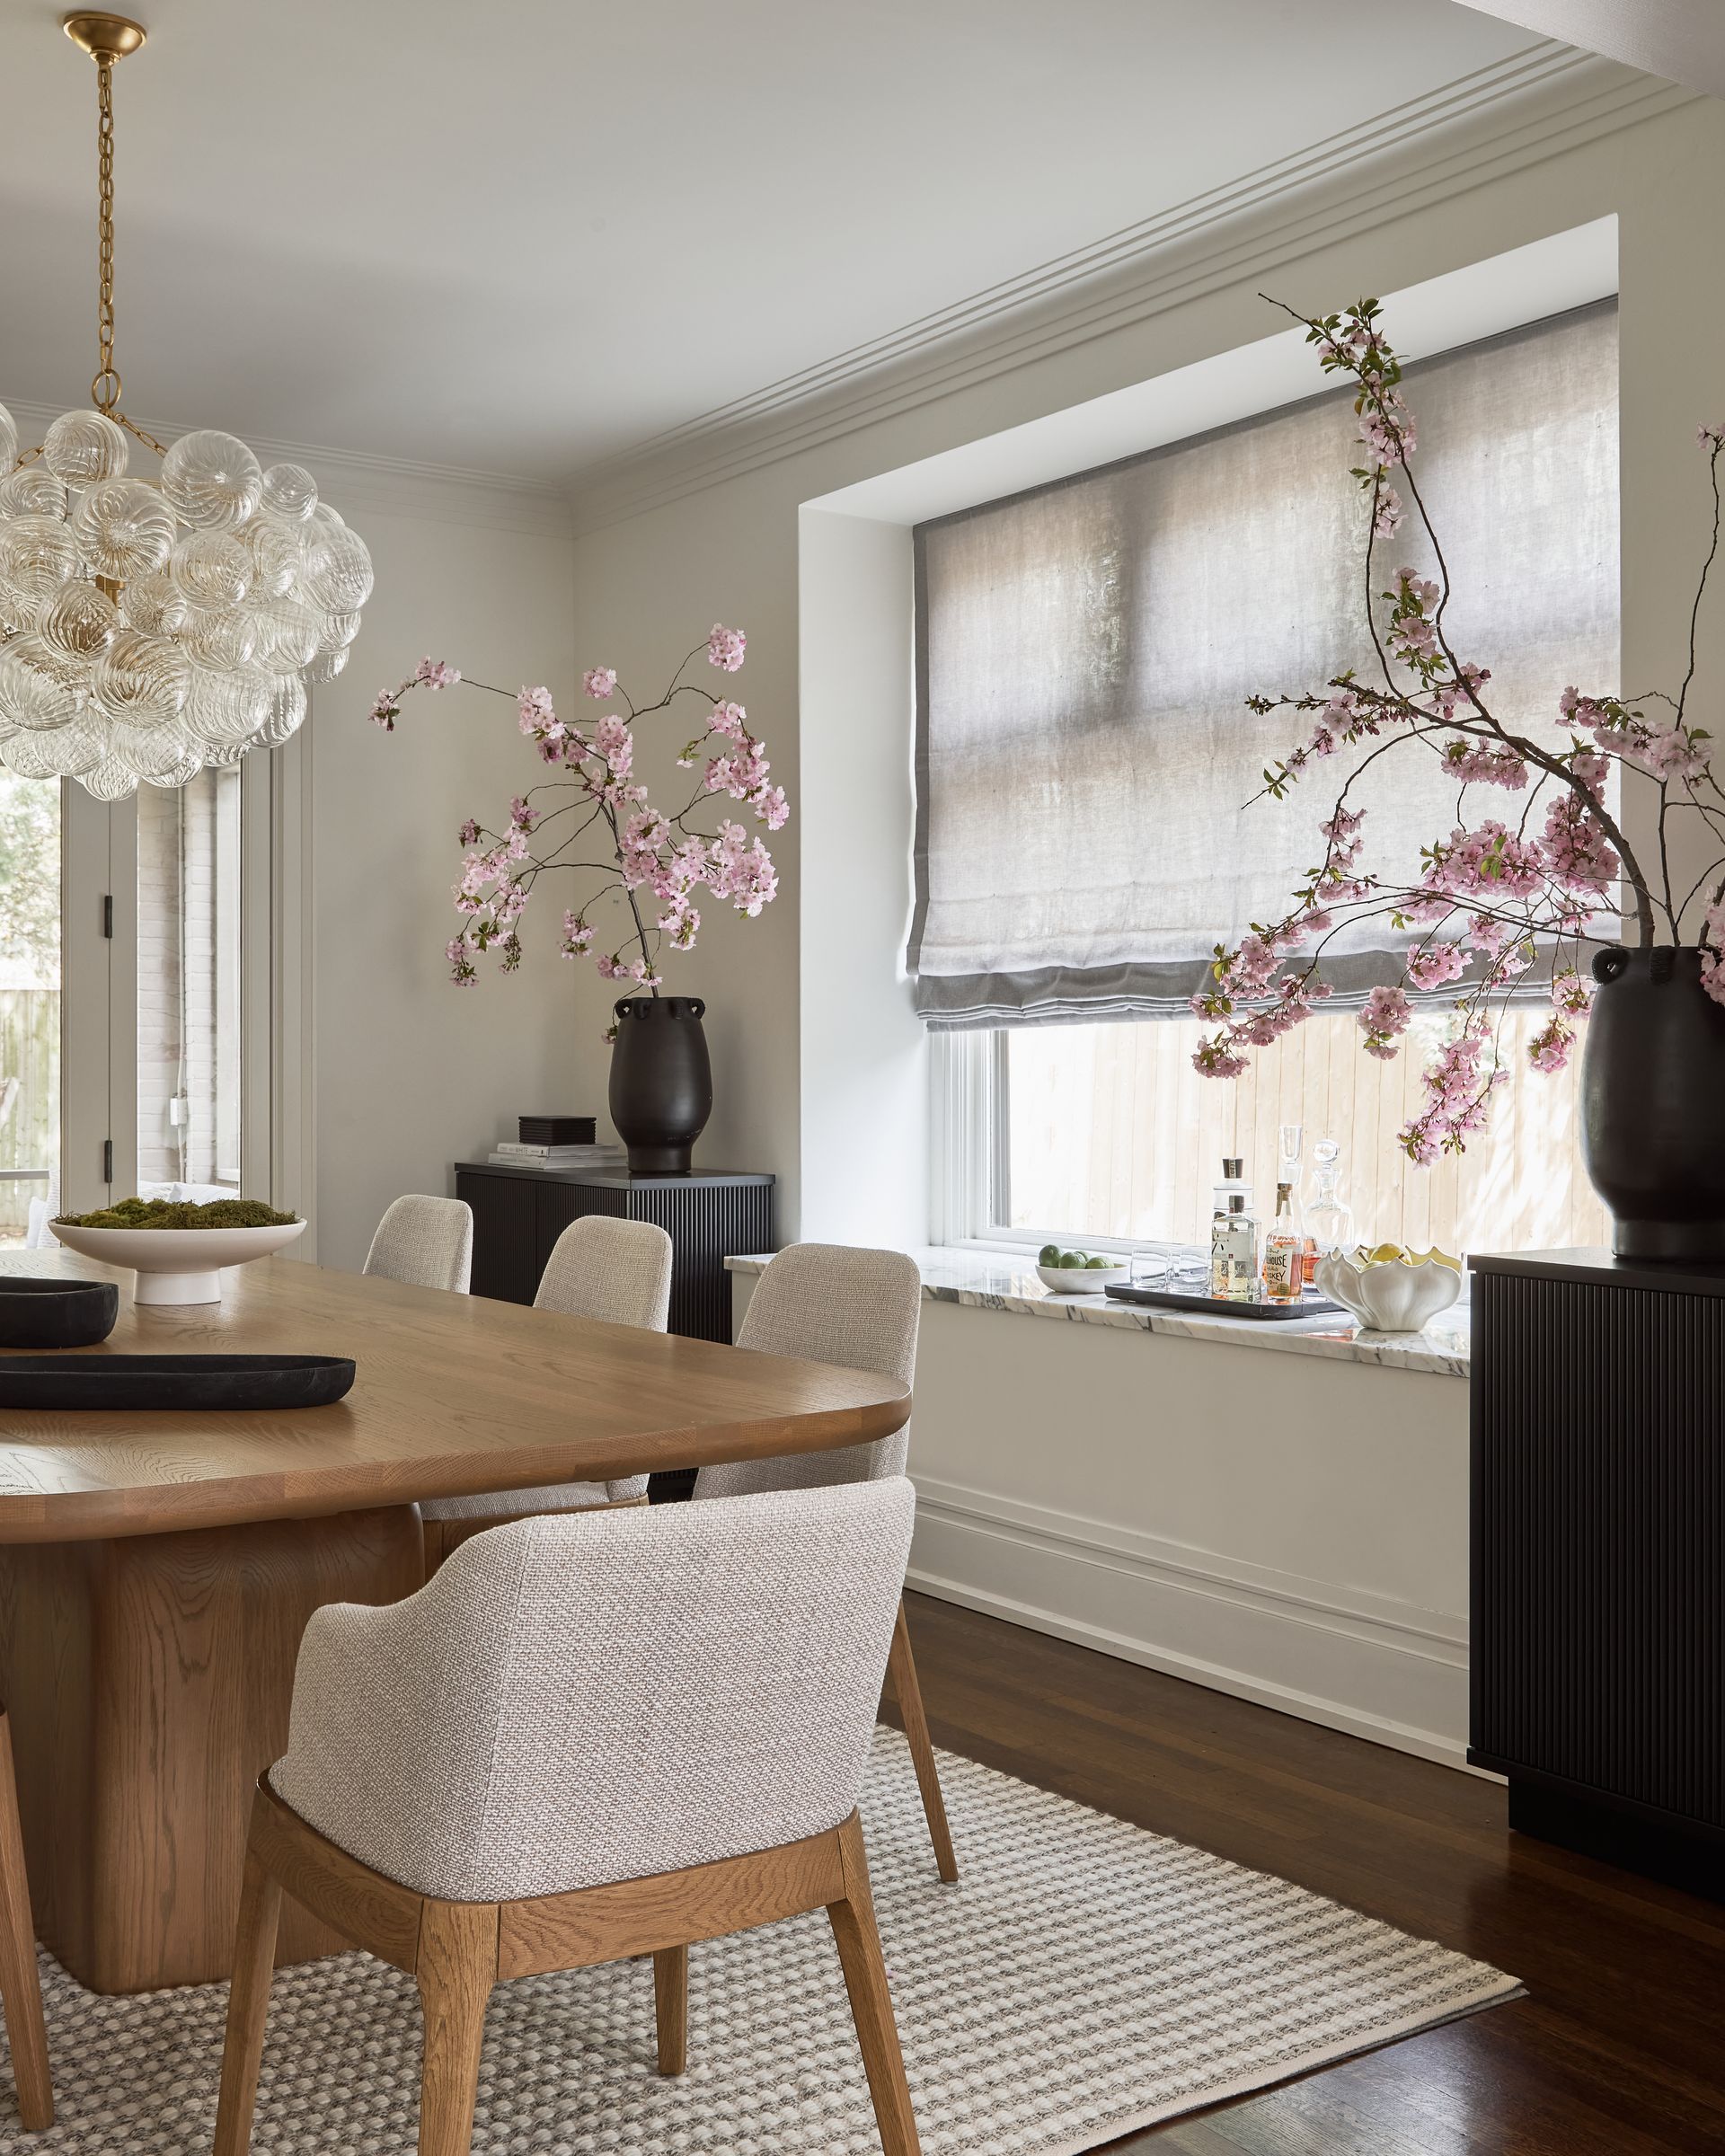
971,1156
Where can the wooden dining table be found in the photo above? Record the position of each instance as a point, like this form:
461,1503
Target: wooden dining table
157,1568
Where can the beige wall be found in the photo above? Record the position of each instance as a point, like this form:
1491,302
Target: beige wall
412,1074
729,549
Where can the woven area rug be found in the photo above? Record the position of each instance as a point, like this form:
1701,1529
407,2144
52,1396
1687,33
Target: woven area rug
1084,1978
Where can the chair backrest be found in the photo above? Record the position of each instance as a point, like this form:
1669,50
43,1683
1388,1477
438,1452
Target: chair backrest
616,1270
827,1303
425,1242
590,1697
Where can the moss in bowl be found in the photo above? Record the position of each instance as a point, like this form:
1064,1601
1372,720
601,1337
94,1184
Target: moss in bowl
164,1213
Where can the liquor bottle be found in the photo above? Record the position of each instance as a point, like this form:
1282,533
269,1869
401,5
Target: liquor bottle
1290,1138
1233,1238
1329,1222
1284,1251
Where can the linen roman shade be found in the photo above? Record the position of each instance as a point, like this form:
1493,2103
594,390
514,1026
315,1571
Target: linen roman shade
1085,757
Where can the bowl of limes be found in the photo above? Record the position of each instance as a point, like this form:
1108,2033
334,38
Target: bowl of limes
1078,1272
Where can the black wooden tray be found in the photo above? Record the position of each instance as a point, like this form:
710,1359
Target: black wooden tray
56,1311
1218,1306
172,1381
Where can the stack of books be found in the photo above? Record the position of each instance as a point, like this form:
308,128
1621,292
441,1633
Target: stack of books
562,1142
509,1154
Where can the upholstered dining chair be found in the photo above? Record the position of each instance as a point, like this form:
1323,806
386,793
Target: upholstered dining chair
425,1242
21,1991
620,1272
478,1786
827,1302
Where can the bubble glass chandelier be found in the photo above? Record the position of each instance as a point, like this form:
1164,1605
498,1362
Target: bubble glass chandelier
150,625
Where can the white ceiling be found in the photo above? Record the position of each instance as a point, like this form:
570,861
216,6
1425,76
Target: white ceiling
1682,40
522,236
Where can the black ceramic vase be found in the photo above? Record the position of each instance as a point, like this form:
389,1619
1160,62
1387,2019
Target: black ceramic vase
1653,1105
661,1082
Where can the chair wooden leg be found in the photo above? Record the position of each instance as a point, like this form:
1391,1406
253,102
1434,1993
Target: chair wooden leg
248,2004
457,1967
21,1991
901,1665
671,1998
865,1979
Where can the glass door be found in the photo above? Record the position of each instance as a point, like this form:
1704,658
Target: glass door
30,1005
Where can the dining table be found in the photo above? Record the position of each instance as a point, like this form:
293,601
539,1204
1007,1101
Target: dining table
158,1567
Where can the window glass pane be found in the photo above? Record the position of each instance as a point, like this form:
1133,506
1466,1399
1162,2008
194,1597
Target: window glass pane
1112,1132
189,987
30,1005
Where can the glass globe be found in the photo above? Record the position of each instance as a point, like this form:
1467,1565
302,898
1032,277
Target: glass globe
339,632
212,569
66,753
155,604
110,780
158,754
221,638
220,755
337,576
288,636
80,620
227,707
84,446
141,680
32,492
289,490
124,529
327,664
287,713
37,555
8,439
212,479
18,613
275,551
38,686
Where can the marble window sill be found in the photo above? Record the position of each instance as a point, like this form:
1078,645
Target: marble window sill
1001,1281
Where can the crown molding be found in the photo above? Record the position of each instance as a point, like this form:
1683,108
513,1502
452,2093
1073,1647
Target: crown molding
383,486
1531,107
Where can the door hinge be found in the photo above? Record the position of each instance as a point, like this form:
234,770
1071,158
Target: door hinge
107,1160
108,914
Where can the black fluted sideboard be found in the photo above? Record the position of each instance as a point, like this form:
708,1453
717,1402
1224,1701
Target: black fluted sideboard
1598,1634
518,1214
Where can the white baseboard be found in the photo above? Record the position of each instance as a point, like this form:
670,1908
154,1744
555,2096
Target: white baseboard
1377,1668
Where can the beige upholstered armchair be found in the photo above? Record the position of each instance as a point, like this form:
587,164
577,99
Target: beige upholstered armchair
589,1736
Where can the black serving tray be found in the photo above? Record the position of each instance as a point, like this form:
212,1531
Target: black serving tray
177,1382
1218,1306
37,1312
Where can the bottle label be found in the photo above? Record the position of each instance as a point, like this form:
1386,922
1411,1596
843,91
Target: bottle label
1283,1272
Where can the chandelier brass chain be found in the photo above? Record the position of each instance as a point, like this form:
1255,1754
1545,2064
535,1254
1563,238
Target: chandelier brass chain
104,389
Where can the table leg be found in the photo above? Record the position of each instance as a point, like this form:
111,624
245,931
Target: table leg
148,1681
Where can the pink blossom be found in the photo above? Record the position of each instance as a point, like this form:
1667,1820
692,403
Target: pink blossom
538,716
729,718
1711,438
1548,1050
1672,753
600,681
1473,764
1217,1061
523,815
725,648
770,807
468,835
615,744
436,673
1388,517
1432,964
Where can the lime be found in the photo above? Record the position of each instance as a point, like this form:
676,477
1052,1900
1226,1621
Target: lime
1050,1254
1099,1265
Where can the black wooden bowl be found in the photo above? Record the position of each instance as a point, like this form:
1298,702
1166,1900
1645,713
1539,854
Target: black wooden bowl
56,1313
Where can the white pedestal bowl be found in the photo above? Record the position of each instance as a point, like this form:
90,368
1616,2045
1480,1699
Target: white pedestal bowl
177,1265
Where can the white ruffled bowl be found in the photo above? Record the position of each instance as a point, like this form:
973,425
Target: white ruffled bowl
1391,1294
177,1265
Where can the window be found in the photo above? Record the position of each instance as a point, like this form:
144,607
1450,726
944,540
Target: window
189,963
29,1000
1085,763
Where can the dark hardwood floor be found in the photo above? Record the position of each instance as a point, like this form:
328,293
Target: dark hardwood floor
1619,2049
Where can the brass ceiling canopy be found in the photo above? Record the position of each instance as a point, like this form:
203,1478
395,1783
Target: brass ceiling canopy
108,38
